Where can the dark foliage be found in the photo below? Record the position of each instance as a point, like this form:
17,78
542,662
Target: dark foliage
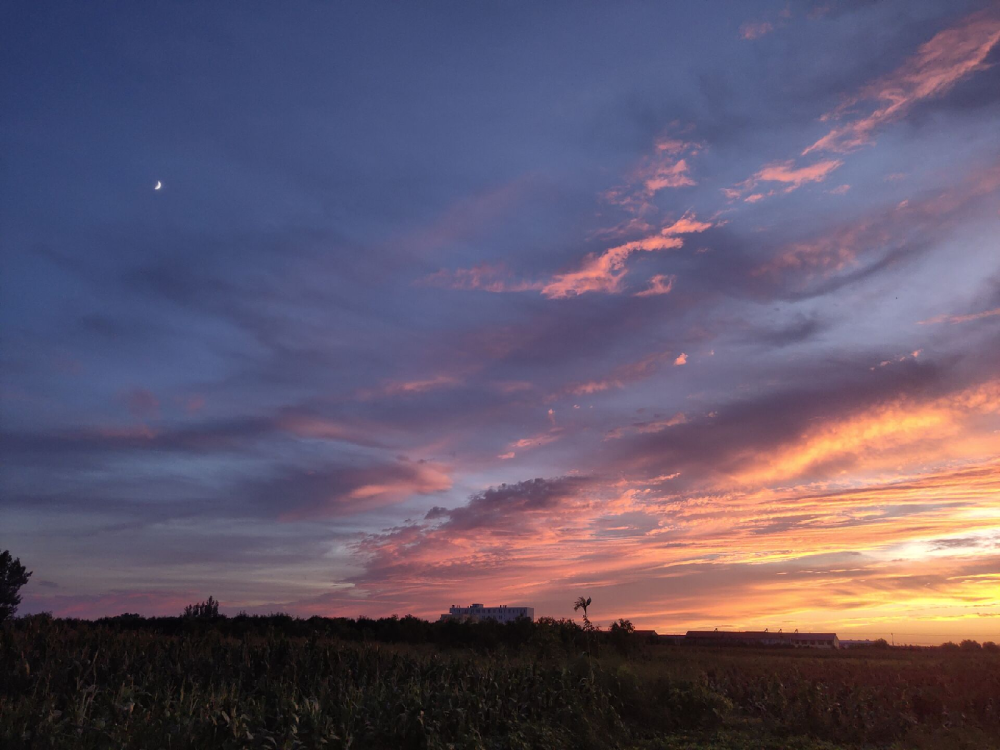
206,610
278,681
13,576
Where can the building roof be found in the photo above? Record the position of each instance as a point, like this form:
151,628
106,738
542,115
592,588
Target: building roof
760,634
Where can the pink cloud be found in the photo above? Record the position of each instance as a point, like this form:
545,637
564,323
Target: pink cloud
128,432
659,284
142,404
513,386
620,377
604,272
655,425
149,603
826,253
938,65
536,441
755,29
669,175
682,359
466,218
881,230
961,318
194,404
664,168
344,492
484,277
784,172
899,358
411,387
319,428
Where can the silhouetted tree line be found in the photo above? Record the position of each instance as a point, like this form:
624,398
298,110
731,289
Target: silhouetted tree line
546,635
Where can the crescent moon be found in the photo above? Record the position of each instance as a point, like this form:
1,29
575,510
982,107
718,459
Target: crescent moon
158,185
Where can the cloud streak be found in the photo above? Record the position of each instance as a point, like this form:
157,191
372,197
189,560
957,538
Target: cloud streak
940,63
606,271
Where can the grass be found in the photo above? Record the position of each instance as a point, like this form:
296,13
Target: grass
84,685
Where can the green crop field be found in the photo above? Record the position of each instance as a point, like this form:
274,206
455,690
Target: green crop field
279,683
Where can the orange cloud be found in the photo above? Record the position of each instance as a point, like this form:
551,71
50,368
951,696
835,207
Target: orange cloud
915,550
604,272
682,359
933,430
938,65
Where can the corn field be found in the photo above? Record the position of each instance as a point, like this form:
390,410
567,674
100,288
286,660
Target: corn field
85,685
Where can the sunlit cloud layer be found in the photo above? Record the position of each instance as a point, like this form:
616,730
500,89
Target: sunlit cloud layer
696,314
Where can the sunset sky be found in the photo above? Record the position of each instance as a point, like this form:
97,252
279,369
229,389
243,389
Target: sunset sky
691,308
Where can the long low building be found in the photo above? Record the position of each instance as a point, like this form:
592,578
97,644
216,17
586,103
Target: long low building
475,612
761,638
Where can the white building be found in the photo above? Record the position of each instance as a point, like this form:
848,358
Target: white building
503,613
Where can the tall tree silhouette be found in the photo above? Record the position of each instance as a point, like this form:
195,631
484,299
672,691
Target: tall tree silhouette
582,603
206,610
12,577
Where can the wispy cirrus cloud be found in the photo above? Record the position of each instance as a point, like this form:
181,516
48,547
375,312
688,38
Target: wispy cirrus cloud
485,277
755,29
860,244
666,167
658,284
940,63
649,425
411,387
785,173
621,376
535,441
605,271
298,494
142,404
954,319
